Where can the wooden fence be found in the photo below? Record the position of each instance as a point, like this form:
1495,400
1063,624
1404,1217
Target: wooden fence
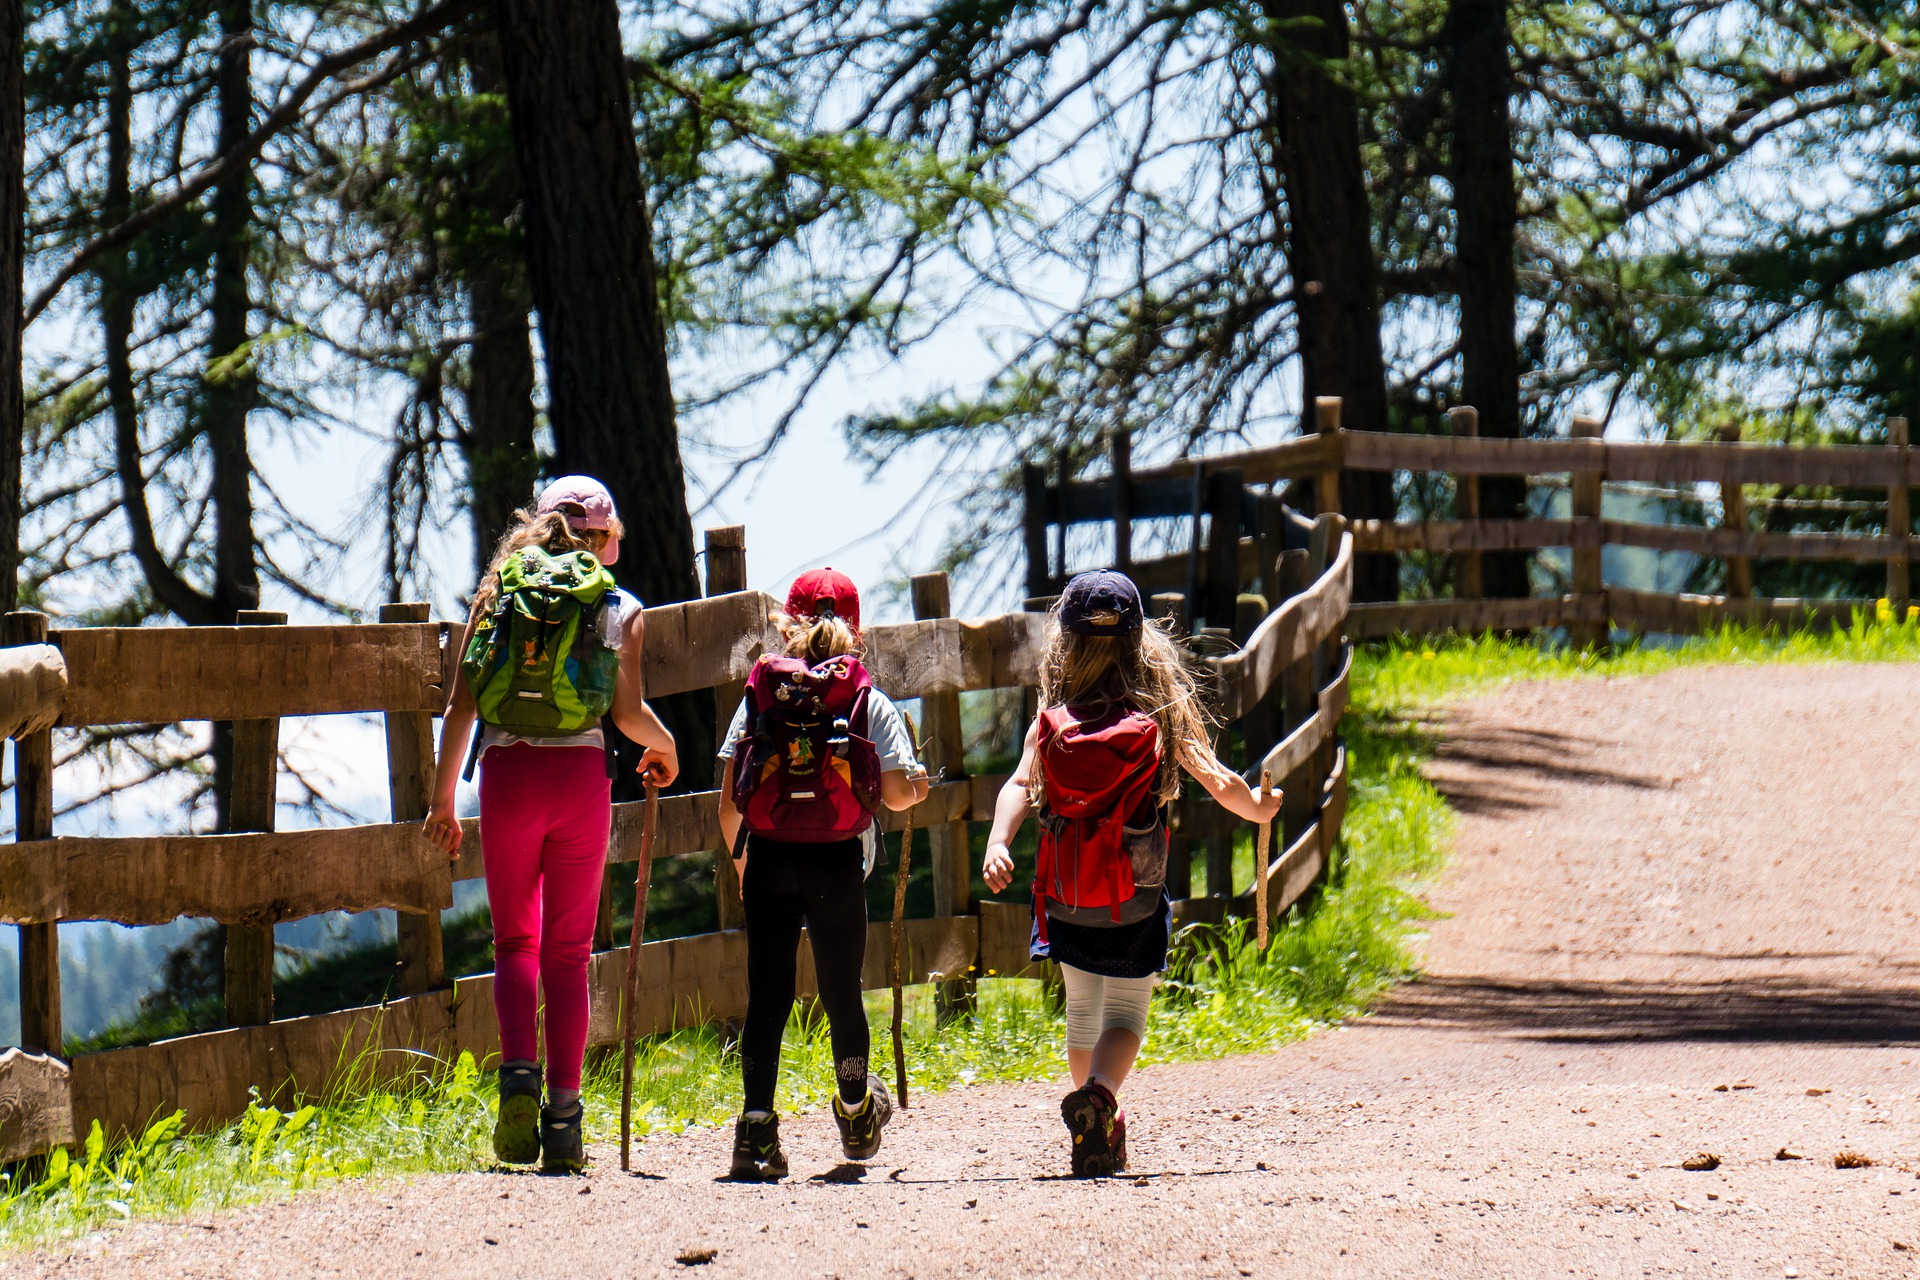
1236,527
1283,692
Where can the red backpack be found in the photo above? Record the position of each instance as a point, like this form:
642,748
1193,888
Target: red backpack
1103,846
807,771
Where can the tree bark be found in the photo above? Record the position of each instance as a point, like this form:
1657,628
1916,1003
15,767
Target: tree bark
231,386
501,466
1480,72
590,253
13,141
1330,248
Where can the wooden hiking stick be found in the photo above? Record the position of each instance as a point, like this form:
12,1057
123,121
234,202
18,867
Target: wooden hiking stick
901,866
1263,846
642,880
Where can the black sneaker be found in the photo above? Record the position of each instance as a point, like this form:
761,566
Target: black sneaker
1089,1114
860,1127
757,1156
516,1130
1117,1140
562,1149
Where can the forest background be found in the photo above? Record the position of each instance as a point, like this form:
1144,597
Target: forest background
305,297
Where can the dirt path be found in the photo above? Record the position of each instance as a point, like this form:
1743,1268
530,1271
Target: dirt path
1663,886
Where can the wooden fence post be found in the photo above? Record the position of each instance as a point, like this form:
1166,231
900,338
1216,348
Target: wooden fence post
1033,528
727,572
40,1017
1326,484
1226,499
250,807
1733,515
1170,607
1467,583
1899,524
1586,487
422,960
1120,451
946,761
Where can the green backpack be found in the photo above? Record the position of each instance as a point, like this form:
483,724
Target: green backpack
536,664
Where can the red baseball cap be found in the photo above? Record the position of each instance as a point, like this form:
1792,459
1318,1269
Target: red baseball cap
587,506
822,591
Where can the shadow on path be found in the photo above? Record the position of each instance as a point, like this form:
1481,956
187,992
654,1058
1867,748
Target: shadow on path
1759,1009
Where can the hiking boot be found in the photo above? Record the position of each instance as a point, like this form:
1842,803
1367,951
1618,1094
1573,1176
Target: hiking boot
1117,1141
757,1156
1089,1113
516,1130
860,1127
562,1149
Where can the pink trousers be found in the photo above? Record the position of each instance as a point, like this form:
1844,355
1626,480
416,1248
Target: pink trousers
544,817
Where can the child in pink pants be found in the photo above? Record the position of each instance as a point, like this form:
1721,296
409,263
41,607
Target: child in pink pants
545,812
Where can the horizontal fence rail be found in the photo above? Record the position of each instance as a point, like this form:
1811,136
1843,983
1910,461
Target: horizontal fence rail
1285,687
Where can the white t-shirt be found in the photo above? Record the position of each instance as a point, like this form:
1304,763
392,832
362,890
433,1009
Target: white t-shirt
620,605
888,729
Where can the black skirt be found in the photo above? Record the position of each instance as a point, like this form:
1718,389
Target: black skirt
1123,951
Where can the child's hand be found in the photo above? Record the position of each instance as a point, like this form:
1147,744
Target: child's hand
1268,804
443,828
998,867
660,767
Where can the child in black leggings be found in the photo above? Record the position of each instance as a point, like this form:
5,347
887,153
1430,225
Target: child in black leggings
818,883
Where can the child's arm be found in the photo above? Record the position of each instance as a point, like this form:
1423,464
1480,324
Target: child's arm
1009,811
456,736
661,761
1228,789
903,788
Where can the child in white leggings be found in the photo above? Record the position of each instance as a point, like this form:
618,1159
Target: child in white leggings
1120,721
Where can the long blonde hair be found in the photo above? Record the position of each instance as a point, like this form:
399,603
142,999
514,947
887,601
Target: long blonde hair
816,639
549,531
1146,671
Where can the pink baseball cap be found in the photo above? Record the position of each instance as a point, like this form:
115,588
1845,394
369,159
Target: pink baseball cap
587,506
820,591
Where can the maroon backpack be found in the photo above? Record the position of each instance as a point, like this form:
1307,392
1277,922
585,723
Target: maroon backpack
1103,846
807,769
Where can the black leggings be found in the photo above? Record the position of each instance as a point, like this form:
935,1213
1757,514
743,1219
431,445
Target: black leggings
821,886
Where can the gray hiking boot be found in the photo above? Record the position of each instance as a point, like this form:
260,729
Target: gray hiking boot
516,1130
860,1126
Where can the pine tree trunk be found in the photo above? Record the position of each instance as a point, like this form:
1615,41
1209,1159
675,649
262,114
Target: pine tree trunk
13,140
1480,72
499,444
230,382
590,252
1330,249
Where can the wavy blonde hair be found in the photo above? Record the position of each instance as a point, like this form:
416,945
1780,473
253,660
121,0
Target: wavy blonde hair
816,639
549,531
1146,671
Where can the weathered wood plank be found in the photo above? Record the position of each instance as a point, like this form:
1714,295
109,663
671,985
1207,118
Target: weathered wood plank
1663,462
33,688
42,1023
1472,535
1522,535
697,644
36,1105
1288,460
150,675
1306,738
1686,614
1005,931
1288,634
409,795
253,878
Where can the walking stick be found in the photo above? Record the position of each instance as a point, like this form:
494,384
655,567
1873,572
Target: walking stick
642,879
1263,845
901,867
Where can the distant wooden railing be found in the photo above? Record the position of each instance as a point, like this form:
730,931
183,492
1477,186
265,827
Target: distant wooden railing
1285,690
1236,528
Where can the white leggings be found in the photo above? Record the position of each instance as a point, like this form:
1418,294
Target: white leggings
1096,1004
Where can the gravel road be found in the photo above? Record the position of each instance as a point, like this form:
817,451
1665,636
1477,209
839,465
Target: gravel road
1681,922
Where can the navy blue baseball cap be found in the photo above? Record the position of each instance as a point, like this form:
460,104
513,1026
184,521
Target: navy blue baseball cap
1101,602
